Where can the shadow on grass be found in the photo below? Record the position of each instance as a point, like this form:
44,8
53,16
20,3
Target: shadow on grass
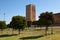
7,35
31,37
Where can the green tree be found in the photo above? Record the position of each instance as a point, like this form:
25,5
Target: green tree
29,23
18,22
8,26
36,23
2,25
52,22
46,19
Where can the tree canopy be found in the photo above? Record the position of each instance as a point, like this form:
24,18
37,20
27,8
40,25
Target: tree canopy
46,19
29,23
18,22
2,25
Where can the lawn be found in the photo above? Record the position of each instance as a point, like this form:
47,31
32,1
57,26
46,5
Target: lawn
50,37
31,34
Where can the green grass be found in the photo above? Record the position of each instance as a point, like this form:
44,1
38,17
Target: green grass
31,34
50,37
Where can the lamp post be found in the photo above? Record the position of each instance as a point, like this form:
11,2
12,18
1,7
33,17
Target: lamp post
4,17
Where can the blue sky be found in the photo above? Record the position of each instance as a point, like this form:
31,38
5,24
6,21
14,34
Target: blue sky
18,7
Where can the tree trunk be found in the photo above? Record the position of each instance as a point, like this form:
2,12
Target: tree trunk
46,31
51,29
19,31
12,31
1,30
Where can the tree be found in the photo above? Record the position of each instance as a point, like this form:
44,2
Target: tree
46,19
18,22
8,26
2,25
35,23
29,23
52,23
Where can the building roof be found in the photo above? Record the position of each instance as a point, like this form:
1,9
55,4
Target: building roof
31,4
57,14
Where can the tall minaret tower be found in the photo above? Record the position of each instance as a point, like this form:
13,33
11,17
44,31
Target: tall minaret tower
30,12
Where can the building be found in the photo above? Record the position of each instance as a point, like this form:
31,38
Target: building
57,19
30,12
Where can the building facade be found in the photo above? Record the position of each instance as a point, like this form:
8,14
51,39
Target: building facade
57,19
30,12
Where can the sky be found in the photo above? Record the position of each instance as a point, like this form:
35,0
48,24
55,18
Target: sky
18,7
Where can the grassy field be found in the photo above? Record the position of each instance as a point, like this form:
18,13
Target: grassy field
31,34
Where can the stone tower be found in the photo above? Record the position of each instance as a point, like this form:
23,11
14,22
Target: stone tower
30,12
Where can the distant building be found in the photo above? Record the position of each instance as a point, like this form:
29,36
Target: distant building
57,19
30,12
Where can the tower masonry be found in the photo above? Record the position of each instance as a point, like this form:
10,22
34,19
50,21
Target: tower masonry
30,12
